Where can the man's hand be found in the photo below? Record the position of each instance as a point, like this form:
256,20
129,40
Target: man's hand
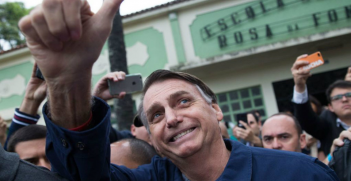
3,128
35,94
300,76
245,134
340,141
348,74
65,39
101,89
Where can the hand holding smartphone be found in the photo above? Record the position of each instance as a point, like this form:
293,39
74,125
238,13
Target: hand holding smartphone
241,117
315,60
131,83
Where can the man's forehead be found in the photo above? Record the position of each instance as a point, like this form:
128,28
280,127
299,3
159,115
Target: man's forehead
337,90
167,88
279,123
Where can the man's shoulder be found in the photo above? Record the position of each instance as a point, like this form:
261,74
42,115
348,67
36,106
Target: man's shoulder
286,164
159,169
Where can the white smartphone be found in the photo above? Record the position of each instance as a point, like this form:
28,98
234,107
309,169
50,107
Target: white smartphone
131,83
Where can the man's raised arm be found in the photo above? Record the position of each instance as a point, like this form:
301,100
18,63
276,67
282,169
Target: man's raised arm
65,39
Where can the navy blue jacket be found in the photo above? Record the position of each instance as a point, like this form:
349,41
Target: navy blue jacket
86,156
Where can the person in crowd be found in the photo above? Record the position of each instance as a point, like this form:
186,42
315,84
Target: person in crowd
249,136
331,122
139,131
338,142
179,111
341,161
224,130
29,144
13,168
318,109
28,139
102,91
282,131
131,152
26,114
3,129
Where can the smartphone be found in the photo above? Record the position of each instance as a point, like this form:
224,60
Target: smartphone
38,74
315,60
131,83
241,117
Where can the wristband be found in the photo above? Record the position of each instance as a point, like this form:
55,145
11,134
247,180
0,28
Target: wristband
83,126
329,157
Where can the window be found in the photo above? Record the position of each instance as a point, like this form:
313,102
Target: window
240,101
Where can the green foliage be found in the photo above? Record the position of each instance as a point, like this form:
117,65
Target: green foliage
10,14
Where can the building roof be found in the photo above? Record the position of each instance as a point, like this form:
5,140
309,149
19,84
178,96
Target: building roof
174,2
165,5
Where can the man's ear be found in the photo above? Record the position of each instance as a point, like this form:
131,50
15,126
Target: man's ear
219,112
330,107
132,129
303,141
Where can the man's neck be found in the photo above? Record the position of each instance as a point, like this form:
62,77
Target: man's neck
208,164
347,121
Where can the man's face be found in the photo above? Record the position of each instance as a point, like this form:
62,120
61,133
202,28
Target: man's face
33,151
253,124
279,132
181,122
140,133
341,107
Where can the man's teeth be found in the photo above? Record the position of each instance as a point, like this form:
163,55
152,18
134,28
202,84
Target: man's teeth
182,134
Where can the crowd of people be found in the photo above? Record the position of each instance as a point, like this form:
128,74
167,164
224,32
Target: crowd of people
178,132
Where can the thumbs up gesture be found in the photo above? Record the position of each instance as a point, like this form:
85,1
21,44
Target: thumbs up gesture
65,39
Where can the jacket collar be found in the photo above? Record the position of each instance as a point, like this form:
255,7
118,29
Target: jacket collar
239,166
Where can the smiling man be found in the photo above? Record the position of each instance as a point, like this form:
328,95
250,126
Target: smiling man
179,111
283,132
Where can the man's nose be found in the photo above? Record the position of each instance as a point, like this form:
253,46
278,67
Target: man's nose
276,144
172,118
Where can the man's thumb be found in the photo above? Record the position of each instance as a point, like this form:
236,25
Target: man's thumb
107,11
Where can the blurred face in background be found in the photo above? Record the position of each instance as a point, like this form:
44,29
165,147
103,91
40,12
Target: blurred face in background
33,151
254,124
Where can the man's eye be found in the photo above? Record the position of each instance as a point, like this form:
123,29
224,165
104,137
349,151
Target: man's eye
157,115
267,139
184,101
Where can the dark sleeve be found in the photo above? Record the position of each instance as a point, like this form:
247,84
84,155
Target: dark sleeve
310,122
19,121
118,135
81,155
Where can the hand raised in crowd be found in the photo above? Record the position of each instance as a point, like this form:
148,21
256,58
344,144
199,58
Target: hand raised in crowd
300,75
101,89
3,128
245,134
348,74
65,39
35,94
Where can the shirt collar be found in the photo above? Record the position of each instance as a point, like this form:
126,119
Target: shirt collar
239,166
344,125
